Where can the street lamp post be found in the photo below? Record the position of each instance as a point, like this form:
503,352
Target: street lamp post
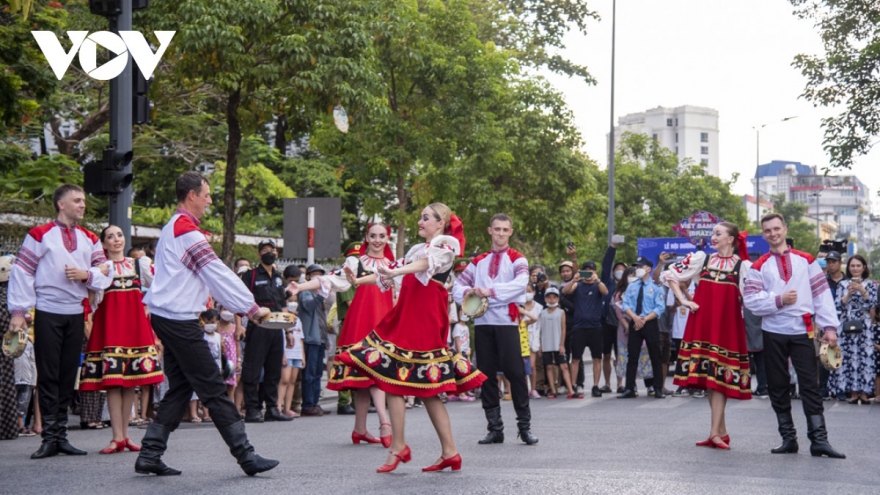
816,195
611,134
757,129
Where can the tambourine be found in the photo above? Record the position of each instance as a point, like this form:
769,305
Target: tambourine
227,368
474,306
277,320
14,342
830,356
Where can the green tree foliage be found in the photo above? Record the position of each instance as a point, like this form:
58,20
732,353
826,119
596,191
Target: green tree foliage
254,54
653,192
846,75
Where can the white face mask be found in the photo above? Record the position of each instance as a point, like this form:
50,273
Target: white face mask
618,275
552,305
226,316
291,306
241,269
640,272
530,297
210,327
631,279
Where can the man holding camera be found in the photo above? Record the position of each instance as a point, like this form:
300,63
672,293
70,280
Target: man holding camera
588,293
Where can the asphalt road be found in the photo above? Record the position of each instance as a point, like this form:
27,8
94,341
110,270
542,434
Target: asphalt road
639,446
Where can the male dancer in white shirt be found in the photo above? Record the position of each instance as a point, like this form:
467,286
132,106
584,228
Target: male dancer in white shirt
56,266
501,275
187,272
787,287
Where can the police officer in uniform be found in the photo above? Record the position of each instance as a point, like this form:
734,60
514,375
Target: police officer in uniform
264,349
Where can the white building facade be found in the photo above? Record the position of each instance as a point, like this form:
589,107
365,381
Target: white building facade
690,131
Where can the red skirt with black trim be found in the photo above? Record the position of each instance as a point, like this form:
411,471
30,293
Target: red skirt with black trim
713,353
407,353
367,309
121,351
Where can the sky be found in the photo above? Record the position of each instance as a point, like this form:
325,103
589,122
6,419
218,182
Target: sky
733,56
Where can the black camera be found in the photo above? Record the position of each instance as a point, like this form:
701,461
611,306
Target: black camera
541,277
828,245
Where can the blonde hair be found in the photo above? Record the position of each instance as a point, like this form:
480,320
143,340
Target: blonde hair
442,213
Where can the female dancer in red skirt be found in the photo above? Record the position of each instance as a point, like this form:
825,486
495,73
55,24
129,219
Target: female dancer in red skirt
713,354
407,353
369,306
121,353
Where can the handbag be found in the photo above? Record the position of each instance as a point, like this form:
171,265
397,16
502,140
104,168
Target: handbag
853,326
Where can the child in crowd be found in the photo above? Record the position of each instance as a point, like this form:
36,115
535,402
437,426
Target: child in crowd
25,381
294,360
209,320
679,323
226,329
461,342
530,312
552,321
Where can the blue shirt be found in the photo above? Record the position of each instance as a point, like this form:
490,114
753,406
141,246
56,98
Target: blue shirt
654,299
587,306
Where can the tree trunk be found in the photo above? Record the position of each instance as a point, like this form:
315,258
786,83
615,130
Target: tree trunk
280,134
402,206
232,147
92,124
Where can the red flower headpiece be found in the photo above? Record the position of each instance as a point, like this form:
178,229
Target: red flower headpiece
456,229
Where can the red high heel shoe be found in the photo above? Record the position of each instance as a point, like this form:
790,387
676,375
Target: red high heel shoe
720,444
386,440
453,462
709,443
357,438
131,445
404,455
113,448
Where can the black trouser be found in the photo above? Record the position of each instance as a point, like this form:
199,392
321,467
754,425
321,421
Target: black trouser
498,349
58,340
760,370
189,367
650,334
578,380
265,351
800,349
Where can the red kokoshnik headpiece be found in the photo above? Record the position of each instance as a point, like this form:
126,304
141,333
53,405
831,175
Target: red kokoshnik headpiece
387,253
456,229
742,246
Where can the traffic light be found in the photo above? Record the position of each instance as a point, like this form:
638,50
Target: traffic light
140,104
112,8
109,176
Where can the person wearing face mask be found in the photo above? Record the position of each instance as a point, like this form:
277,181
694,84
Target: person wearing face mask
264,347
643,302
210,319
242,265
611,274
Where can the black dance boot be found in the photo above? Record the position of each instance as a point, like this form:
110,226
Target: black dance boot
236,438
64,446
48,448
153,445
789,435
496,427
818,436
523,425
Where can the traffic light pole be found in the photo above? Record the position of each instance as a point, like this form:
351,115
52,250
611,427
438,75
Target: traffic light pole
120,127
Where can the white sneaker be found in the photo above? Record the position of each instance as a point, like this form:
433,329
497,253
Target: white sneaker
562,390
